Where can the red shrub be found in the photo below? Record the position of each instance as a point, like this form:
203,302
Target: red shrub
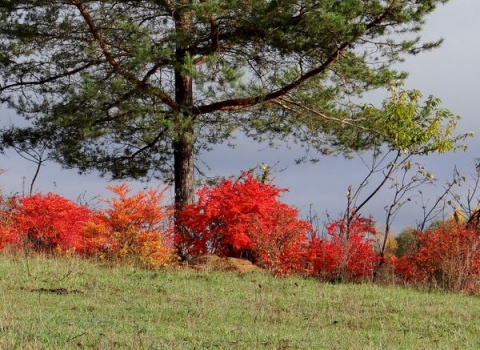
448,256
9,235
347,255
46,223
279,241
243,218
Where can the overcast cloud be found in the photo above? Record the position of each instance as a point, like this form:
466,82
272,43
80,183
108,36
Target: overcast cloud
451,73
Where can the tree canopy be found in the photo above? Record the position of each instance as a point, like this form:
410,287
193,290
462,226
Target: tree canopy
139,88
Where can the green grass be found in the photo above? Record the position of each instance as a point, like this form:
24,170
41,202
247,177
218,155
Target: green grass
124,308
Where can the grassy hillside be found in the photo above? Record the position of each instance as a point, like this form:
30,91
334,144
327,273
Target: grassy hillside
75,304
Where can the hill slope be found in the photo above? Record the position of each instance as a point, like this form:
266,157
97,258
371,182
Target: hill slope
75,304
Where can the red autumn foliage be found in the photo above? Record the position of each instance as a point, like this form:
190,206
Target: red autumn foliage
235,218
448,257
349,254
8,233
45,223
135,228
243,218
280,240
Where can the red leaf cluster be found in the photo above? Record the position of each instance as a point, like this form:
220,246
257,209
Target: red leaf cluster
447,257
348,254
235,218
243,218
135,228
8,233
46,223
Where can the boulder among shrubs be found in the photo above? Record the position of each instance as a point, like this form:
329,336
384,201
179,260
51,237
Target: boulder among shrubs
212,262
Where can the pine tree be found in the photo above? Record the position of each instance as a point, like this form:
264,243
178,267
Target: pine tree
140,88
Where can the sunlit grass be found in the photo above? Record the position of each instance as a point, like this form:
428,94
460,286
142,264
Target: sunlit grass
72,304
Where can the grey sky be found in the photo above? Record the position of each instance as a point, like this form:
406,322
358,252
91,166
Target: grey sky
451,73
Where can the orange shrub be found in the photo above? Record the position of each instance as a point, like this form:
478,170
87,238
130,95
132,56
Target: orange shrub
136,229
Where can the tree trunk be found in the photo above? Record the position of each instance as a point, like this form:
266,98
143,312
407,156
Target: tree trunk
183,144
183,150
184,169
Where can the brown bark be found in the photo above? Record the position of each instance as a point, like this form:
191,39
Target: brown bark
184,169
183,144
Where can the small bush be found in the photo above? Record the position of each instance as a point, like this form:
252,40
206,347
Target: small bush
279,242
348,255
9,235
46,223
447,257
243,218
134,229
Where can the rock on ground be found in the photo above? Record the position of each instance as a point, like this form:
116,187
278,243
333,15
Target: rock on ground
215,263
